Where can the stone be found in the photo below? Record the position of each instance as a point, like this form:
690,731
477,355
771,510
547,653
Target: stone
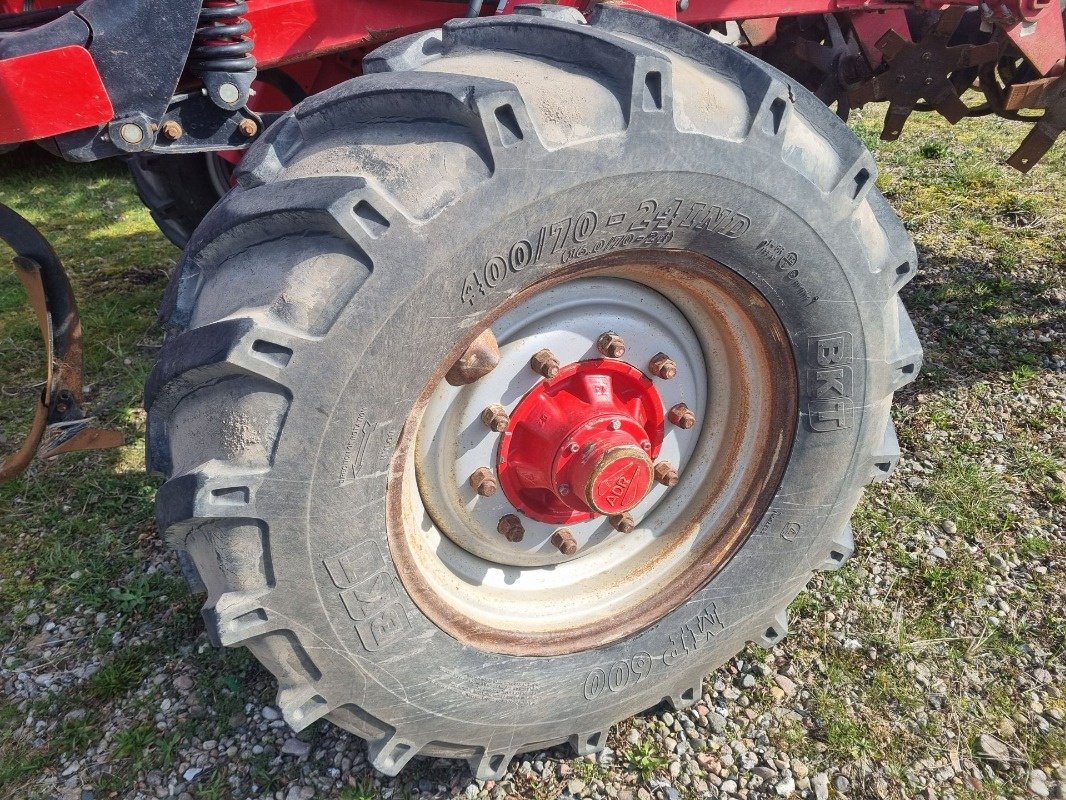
183,683
717,722
32,620
949,527
994,750
270,714
728,787
1036,786
841,783
785,787
191,773
296,747
575,786
938,552
788,686
820,786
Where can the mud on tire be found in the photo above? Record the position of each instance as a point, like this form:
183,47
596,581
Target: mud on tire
377,227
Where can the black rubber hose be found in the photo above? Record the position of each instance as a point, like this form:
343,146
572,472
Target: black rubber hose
473,8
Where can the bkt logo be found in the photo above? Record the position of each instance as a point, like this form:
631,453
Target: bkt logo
829,382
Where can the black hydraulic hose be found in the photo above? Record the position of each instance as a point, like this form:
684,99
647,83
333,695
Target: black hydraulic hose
473,8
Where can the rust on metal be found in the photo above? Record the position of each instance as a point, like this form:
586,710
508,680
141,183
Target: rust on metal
1050,95
611,345
496,418
623,523
59,425
545,364
666,474
681,416
511,528
477,361
922,70
662,366
172,130
563,541
483,481
772,447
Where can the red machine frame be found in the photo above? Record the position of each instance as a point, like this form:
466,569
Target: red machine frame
288,31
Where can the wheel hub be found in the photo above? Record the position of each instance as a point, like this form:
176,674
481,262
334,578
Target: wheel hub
581,444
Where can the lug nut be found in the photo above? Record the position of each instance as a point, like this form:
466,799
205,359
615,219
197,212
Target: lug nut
511,528
545,364
681,416
564,541
611,345
496,418
666,474
172,130
483,481
622,522
662,366
477,361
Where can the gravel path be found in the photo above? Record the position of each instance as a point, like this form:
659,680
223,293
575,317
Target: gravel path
931,666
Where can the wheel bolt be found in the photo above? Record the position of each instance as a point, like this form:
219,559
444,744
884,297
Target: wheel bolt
682,416
662,366
171,129
511,528
545,364
564,541
496,418
622,522
666,474
611,345
483,481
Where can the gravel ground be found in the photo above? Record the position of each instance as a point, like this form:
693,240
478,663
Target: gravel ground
931,666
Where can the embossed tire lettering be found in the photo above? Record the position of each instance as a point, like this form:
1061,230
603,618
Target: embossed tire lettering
377,230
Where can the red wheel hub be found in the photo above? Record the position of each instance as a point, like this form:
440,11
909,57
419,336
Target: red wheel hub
583,443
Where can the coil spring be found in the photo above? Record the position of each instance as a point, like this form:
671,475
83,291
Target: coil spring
221,43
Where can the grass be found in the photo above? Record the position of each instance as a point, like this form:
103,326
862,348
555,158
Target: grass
76,534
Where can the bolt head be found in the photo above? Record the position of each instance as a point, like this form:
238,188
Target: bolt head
511,528
483,481
496,418
681,416
563,540
611,345
172,130
623,523
666,474
248,128
662,366
545,364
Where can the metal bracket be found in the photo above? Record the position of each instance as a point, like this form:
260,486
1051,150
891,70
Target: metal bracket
59,425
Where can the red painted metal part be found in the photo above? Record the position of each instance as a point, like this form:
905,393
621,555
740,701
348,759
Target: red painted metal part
51,92
581,444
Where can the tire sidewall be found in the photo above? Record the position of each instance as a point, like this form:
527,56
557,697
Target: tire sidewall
353,390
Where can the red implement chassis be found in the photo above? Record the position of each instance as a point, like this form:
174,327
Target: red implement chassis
104,78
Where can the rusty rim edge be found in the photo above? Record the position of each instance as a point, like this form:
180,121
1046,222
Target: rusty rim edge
705,563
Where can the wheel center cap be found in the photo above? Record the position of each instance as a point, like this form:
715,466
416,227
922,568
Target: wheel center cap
582,444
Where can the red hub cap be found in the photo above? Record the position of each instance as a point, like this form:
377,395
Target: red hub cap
583,443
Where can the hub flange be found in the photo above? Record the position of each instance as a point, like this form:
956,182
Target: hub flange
582,444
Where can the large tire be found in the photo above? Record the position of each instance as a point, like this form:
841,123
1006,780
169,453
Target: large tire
377,228
179,190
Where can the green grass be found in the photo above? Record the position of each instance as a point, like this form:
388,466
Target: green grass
645,759
76,534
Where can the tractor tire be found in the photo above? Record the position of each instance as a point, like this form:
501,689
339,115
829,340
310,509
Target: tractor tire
546,180
178,190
